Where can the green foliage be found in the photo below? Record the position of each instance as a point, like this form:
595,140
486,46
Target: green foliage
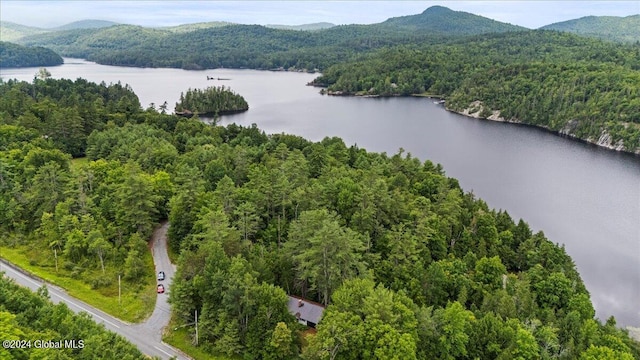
64,112
439,19
14,55
211,101
612,28
253,46
86,221
28,316
365,322
281,343
324,253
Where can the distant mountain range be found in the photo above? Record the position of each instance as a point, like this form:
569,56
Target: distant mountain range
10,31
222,44
85,24
614,28
194,26
255,46
305,27
444,20
436,19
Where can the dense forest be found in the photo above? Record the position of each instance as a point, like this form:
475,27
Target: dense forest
577,86
231,46
14,55
32,317
63,111
409,265
88,223
259,47
611,28
212,101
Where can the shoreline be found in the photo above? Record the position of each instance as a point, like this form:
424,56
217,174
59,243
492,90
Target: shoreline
602,142
189,114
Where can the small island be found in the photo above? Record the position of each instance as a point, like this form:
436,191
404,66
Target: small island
212,101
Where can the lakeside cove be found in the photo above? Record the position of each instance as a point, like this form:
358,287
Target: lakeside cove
476,109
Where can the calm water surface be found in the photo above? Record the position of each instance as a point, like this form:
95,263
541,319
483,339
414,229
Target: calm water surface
581,196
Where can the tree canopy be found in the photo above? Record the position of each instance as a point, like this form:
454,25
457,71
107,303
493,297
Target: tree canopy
409,265
14,55
25,316
215,100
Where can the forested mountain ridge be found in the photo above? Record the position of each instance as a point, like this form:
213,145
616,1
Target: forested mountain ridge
194,26
221,44
255,46
612,28
85,24
14,55
446,21
10,31
408,263
303,27
235,46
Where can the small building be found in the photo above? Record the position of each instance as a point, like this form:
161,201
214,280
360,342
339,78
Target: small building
307,312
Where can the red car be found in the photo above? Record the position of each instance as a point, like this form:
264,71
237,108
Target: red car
160,289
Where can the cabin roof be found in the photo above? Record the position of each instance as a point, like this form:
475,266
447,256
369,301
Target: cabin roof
309,311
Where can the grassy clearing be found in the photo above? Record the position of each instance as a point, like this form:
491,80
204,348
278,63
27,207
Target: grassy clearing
181,339
137,300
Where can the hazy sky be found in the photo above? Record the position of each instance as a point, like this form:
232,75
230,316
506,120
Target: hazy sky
531,14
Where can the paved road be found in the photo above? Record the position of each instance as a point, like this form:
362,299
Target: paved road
146,336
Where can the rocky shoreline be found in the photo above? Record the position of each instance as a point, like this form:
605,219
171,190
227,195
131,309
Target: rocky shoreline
188,113
475,110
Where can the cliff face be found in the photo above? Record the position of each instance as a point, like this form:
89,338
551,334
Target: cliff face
477,110
606,140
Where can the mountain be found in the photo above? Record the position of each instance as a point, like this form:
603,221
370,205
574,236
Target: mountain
85,24
440,19
613,28
304,27
195,26
256,46
10,31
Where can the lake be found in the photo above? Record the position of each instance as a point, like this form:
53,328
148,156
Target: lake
579,195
